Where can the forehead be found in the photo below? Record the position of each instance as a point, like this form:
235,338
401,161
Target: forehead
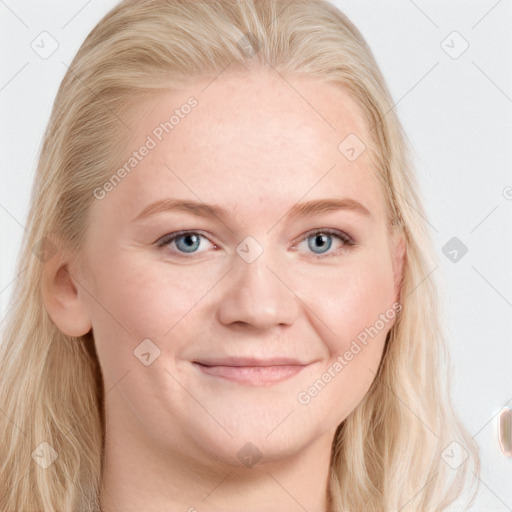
262,140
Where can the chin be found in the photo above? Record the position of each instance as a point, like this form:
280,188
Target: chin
252,447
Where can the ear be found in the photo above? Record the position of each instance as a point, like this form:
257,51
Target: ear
398,261
62,295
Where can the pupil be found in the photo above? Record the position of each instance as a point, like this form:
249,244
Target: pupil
322,242
187,242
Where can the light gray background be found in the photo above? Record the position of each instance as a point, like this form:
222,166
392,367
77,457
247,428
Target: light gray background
457,113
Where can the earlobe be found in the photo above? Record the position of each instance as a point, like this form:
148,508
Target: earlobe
62,298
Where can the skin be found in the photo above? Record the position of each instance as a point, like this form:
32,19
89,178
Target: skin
256,147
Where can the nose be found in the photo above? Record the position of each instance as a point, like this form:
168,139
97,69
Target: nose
257,294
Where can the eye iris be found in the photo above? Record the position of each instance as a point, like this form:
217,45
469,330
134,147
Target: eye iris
191,244
324,240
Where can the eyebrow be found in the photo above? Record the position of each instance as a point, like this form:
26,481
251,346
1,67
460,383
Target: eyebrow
199,209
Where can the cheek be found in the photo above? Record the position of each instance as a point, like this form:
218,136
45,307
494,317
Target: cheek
131,302
348,297
136,298
352,312
352,309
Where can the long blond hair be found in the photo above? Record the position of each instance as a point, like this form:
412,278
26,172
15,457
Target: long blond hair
390,453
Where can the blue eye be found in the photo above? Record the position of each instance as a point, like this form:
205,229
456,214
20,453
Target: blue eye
186,242
320,241
190,242
324,241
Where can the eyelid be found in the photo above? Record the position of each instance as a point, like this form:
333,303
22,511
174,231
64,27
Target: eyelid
170,237
344,237
347,241
330,231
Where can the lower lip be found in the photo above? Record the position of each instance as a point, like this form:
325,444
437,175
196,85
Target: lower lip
252,375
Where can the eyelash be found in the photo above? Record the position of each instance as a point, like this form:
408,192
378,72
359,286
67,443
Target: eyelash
347,241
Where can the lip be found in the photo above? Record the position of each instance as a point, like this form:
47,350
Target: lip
252,372
251,361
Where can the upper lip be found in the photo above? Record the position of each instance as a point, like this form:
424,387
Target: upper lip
251,361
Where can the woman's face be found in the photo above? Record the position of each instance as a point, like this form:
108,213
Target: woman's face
265,323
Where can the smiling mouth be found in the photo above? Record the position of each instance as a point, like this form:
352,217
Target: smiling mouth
252,375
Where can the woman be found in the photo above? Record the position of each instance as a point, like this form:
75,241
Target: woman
227,303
